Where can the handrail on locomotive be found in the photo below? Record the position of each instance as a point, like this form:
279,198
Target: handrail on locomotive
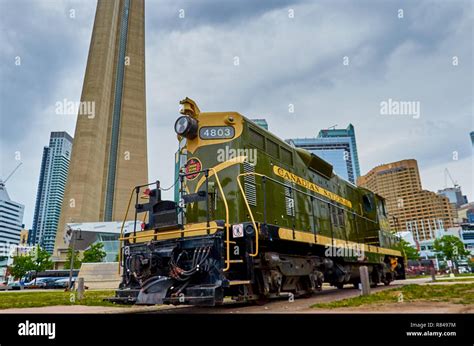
182,230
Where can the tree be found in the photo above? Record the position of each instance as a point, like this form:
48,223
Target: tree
76,260
37,260
41,260
450,247
407,249
95,253
21,265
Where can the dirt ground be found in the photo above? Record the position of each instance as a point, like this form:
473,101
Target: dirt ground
82,309
405,308
301,305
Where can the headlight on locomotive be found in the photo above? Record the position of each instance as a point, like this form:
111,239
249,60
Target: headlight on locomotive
186,126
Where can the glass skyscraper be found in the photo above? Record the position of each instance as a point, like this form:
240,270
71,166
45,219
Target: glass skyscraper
454,194
51,186
261,122
336,146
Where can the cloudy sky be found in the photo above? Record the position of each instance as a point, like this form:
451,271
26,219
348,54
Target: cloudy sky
335,61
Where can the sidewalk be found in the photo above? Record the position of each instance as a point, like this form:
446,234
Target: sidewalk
83,309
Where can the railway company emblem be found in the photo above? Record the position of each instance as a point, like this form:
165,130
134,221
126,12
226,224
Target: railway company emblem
193,167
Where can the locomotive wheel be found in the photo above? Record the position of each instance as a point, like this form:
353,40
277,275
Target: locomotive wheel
307,294
261,300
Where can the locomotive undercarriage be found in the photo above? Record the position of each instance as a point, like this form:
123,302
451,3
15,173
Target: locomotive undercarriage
190,270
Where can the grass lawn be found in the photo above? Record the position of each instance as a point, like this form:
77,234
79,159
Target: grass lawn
455,280
464,274
28,299
456,293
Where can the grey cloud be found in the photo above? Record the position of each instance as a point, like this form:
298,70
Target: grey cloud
282,61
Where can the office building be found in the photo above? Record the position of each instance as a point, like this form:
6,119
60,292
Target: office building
455,196
336,146
11,221
410,208
465,213
24,237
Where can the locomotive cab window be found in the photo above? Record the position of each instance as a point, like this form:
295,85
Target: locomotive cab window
381,207
367,203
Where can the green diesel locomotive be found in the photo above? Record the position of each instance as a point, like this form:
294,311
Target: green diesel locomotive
256,218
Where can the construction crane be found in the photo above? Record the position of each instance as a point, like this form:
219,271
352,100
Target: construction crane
446,175
14,170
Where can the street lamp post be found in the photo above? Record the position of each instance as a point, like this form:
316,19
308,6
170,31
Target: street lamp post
71,265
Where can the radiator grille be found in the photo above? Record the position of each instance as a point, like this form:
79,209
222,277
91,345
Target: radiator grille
249,184
289,201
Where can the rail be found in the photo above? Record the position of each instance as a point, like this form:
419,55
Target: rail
226,206
227,260
121,230
136,190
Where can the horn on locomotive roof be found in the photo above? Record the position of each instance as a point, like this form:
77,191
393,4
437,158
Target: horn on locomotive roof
189,107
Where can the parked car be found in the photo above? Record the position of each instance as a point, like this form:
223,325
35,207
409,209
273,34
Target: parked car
41,283
15,285
63,282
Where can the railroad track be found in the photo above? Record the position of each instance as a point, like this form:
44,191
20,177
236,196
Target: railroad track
280,305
